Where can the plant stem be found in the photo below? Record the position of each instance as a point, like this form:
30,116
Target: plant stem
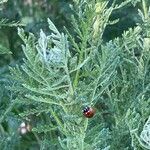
78,71
37,138
1,129
7,111
69,79
145,9
60,124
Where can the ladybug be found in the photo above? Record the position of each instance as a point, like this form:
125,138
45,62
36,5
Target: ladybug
88,112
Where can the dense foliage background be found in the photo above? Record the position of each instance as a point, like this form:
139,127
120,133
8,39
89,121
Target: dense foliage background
122,51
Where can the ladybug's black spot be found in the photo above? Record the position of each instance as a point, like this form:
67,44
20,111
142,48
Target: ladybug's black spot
86,109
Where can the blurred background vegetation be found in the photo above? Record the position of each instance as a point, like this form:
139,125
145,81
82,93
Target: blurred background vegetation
32,15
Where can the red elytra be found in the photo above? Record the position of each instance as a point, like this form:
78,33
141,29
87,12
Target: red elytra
88,112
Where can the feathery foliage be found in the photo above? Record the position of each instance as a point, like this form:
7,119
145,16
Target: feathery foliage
65,71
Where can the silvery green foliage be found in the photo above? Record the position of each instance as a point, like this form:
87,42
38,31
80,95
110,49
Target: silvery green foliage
55,56
106,148
51,55
3,1
145,134
134,2
62,74
50,79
